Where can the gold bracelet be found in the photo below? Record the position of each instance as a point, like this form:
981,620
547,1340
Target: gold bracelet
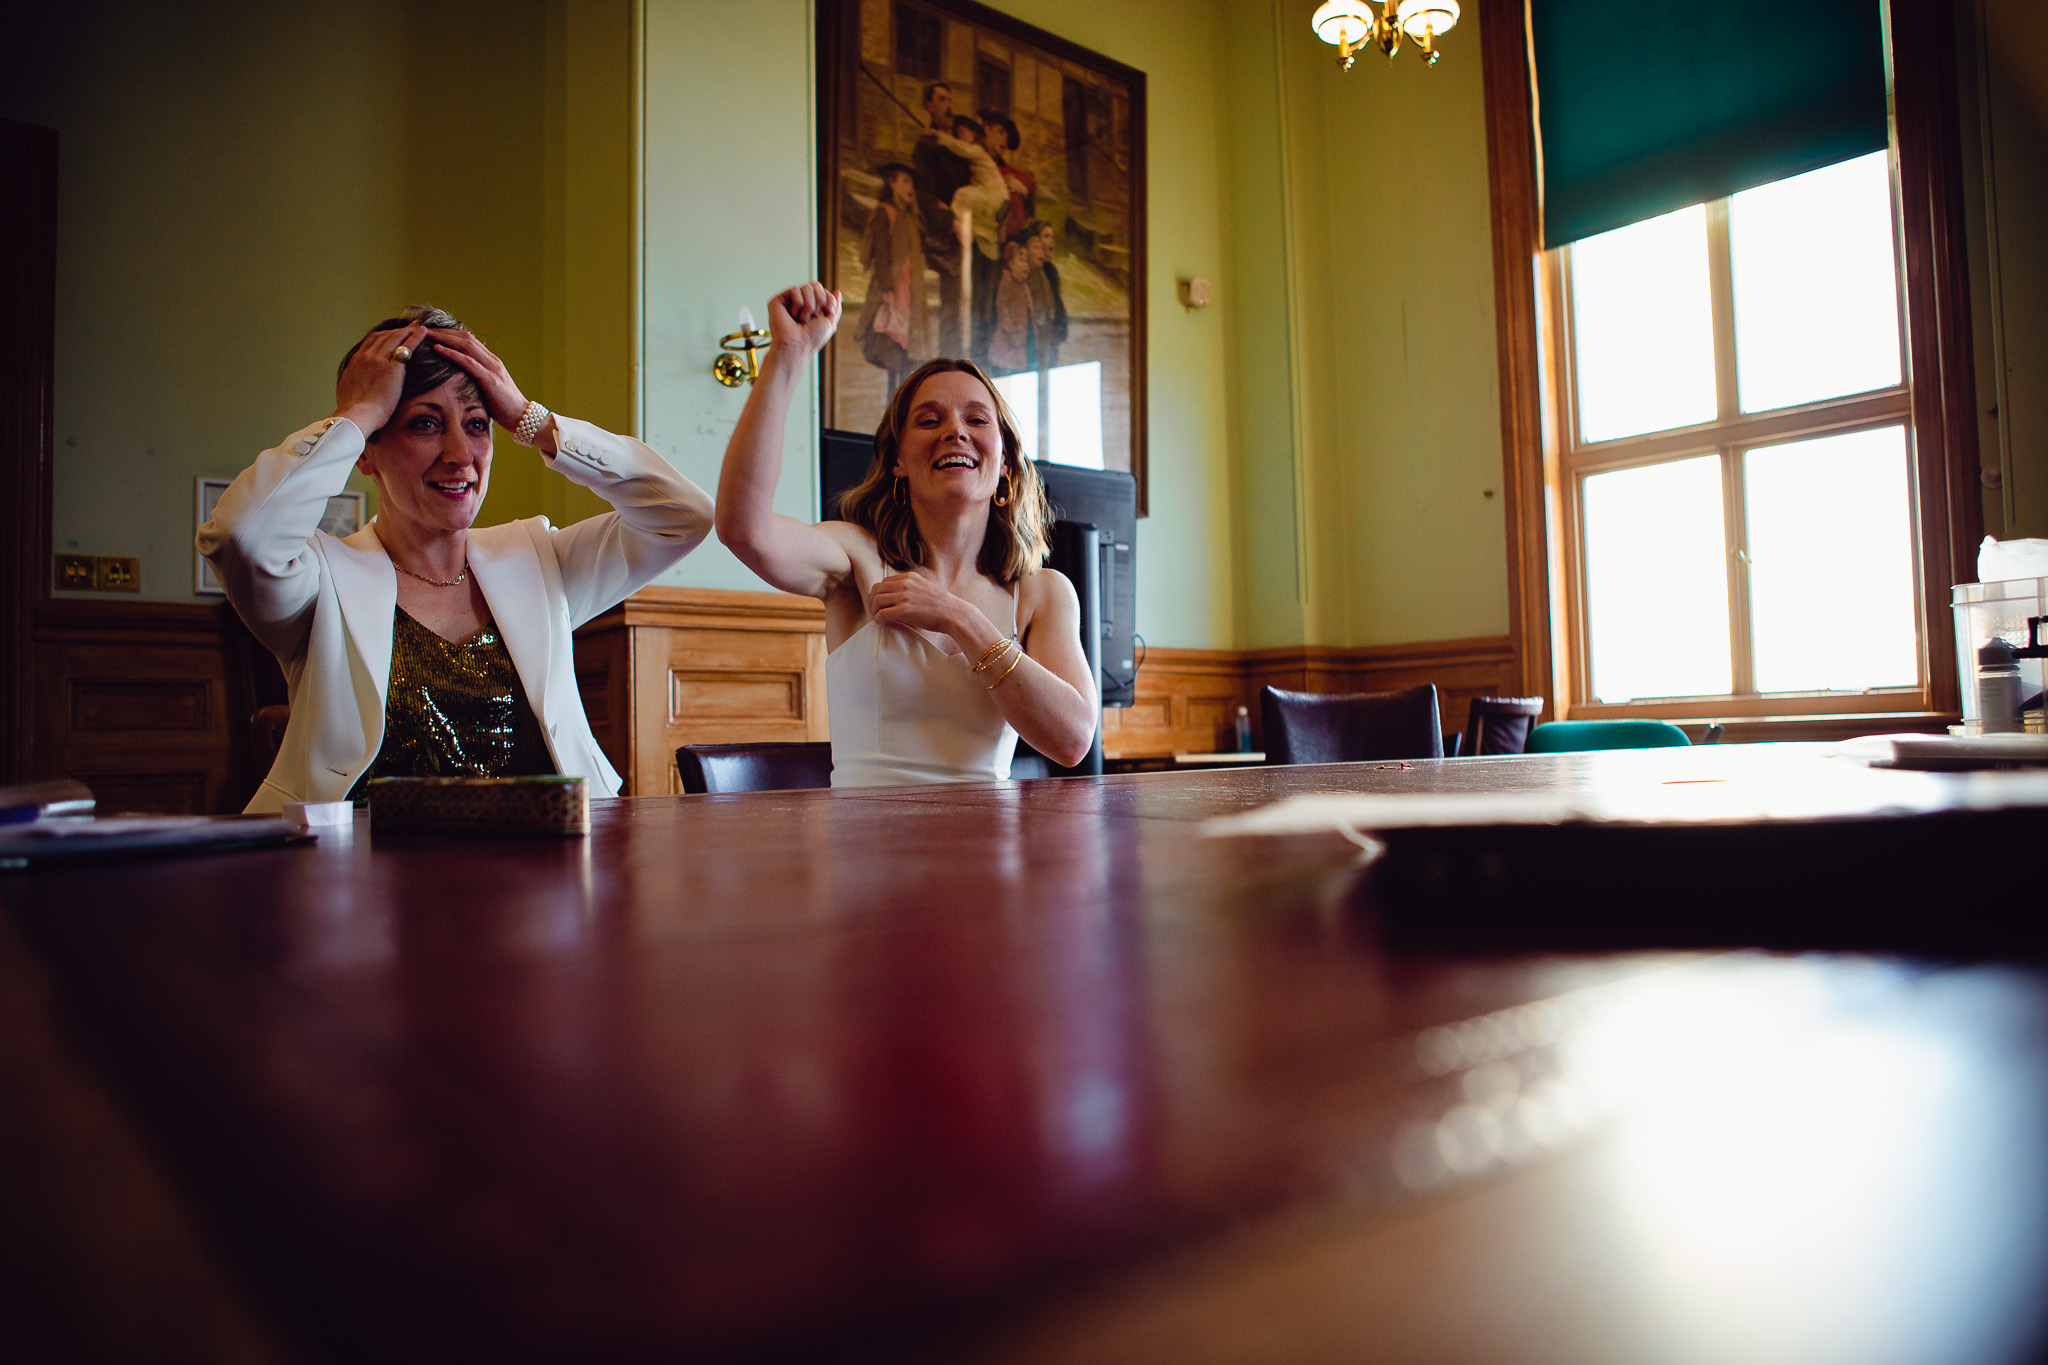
993,652
992,657
1016,659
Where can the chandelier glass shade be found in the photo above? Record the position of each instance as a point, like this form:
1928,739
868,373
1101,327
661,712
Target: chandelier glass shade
1349,26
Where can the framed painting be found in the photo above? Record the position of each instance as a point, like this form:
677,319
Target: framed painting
983,195
343,517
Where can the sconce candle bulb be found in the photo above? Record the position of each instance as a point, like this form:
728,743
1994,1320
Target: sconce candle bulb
737,364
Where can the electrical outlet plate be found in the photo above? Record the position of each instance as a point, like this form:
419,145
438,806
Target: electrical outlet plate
118,573
77,572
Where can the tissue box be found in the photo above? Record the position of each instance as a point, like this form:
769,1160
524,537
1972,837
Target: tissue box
1985,610
481,805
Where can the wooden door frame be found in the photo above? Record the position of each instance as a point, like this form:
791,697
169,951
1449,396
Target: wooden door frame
1515,175
28,343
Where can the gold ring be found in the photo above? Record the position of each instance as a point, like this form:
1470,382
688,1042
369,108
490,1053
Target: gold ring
402,354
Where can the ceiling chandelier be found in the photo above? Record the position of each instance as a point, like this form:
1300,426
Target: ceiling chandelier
1349,26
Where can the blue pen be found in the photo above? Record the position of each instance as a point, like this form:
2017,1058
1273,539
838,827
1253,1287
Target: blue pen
54,799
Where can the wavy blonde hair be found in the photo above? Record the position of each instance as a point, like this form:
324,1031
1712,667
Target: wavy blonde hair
1016,543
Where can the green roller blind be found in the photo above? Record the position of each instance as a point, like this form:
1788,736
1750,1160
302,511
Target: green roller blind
1646,106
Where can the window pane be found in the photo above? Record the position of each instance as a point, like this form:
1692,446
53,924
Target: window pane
1816,286
1076,420
1831,563
1657,581
1020,391
1643,327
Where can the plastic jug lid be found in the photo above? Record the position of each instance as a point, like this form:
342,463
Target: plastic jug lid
1997,653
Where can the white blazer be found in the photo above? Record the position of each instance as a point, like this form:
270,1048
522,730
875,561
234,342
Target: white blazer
325,606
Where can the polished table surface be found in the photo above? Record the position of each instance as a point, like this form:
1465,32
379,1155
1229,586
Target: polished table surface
1023,1072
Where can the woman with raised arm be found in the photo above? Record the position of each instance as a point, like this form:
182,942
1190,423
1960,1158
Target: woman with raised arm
947,637
422,646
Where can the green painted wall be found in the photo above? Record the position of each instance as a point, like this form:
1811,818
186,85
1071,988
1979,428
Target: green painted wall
1400,410
244,187
598,187
590,307
730,219
1261,292
1189,552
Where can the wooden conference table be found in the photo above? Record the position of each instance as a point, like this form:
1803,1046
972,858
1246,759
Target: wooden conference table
1025,1073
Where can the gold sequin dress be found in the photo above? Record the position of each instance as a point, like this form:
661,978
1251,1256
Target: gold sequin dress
455,710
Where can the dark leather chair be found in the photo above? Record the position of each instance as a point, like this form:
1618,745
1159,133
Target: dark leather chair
1499,725
753,767
266,733
256,689
1351,727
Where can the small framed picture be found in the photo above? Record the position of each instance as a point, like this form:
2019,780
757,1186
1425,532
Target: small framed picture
206,492
344,515
343,518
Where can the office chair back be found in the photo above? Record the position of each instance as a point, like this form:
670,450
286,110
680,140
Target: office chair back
1499,725
753,767
1576,736
1351,727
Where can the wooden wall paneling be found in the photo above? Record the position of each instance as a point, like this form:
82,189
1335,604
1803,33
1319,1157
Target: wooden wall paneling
1188,698
148,702
702,666
137,701
28,324
1461,669
1187,702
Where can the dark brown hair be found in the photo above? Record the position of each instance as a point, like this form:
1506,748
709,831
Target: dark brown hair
428,369
990,118
1015,544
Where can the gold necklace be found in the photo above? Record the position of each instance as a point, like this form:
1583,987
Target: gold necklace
454,582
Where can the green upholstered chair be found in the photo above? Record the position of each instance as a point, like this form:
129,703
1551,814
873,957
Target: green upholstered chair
1575,736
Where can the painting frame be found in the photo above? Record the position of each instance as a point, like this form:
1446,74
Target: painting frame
344,516
846,388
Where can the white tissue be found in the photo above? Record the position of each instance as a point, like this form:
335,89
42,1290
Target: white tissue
2001,560
315,814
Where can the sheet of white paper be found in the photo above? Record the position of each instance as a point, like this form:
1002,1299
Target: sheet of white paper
1814,798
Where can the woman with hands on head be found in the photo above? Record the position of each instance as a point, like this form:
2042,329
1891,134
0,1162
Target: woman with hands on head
947,637
423,645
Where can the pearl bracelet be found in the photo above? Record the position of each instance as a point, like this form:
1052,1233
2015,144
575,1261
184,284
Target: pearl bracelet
530,423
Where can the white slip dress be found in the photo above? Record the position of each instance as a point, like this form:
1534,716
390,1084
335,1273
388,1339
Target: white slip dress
906,711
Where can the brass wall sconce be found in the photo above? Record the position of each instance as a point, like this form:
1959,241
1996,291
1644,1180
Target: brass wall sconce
737,365
1349,26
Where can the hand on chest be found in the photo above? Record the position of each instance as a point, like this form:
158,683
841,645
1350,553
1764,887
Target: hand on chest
943,612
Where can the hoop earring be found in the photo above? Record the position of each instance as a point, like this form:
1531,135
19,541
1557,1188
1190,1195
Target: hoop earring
1003,498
